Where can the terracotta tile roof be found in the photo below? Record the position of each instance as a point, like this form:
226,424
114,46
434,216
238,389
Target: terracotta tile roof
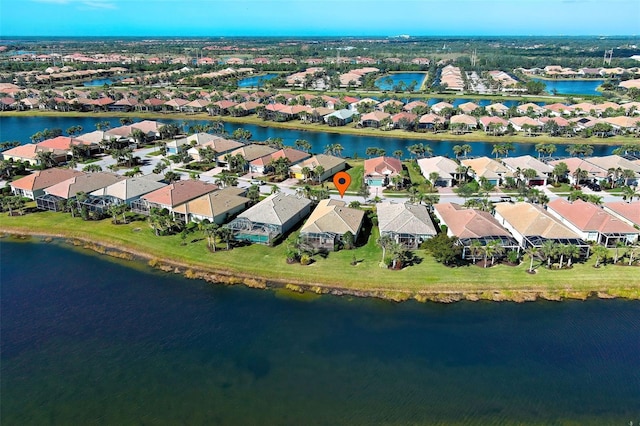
63,143
179,192
588,217
527,162
375,116
382,166
406,115
42,179
613,162
487,120
575,163
431,119
469,223
629,211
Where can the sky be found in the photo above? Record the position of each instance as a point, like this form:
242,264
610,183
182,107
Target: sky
318,17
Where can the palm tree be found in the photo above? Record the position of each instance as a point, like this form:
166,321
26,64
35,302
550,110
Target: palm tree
600,253
211,231
475,249
532,252
318,171
548,250
572,251
457,150
398,154
384,242
619,245
225,235
628,193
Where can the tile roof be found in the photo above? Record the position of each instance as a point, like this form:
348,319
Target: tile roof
215,203
83,183
41,179
382,166
444,166
629,211
531,220
469,223
588,217
335,217
404,219
131,187
276,209
179,192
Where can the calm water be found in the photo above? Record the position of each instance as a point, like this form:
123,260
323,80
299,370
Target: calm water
573,87
21,129
405,77
256,81
99,82
86,340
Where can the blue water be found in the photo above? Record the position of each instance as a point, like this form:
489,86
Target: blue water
404,77
99,82
572,87
88,340
256,81
21,129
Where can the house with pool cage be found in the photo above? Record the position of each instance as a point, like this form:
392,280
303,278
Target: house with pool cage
271,218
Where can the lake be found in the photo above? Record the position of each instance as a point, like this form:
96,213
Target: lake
392,80
572,87
256,81
21,129
99,82
90,340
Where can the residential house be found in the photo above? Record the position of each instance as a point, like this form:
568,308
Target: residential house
271,218
497,109
577,165
592,223
625,211
124,191
526,123
431,122
343,116
249,152
374,119
329,163
32,186
221,146
407,224
493,124
517,165
485,167
440,106
473,228
262,165
615,165
380,170
531,226
445,167
70,188
328,223
464,122
29,152
216,207
172,195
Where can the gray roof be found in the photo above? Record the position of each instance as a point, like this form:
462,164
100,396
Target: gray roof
131,188
342,114
276,209
404,219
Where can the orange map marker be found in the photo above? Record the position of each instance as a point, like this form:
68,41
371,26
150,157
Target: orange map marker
342,180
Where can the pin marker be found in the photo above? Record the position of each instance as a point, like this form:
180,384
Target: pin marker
342,180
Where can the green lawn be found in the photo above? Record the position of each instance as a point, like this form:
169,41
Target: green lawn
563,188
417,179
335,269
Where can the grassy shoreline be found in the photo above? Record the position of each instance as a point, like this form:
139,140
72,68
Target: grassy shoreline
265,267
477,136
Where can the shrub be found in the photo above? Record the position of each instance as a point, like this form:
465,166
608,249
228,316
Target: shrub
305,259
